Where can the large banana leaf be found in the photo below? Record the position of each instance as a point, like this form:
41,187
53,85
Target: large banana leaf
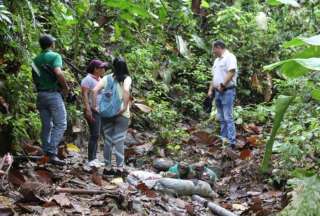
299,41
293,3
296,67
282,105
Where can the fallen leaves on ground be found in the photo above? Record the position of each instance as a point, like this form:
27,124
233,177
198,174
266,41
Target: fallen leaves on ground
62,200
149,193
245,154
44,160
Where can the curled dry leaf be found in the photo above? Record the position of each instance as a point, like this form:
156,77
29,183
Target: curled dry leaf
245,154
62,200
149,193
44,176
253,140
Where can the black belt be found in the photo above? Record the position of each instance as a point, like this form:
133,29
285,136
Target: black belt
230,87
47,90
227,88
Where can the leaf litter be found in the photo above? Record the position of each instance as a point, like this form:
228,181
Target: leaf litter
39,188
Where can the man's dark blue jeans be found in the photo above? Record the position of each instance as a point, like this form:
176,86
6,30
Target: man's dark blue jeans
224,103
53,117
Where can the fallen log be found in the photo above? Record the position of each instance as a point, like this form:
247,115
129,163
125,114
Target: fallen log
214,207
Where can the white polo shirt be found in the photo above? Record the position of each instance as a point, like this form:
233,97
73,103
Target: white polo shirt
220,69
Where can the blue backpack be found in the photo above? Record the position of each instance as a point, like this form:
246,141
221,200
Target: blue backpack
110,102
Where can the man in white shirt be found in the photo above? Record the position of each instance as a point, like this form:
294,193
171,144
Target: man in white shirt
224,83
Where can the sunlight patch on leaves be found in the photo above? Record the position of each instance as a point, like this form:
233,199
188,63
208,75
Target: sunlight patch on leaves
292,3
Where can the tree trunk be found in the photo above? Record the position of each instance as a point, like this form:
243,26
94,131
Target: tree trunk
196,6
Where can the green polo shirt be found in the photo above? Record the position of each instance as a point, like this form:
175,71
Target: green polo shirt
45,79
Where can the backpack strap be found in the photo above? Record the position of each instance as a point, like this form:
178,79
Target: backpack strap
109,83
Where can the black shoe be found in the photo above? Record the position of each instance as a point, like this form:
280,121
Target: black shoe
122,173
110,172
56,161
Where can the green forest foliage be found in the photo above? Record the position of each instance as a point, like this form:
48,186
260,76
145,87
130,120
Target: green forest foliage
167,44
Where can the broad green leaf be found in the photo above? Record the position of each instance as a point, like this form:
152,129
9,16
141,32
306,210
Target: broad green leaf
282,105
204,4
162,14
316,94
120,4
296,67
314,41
310,52
5,18
199,42
117,31
82,7
293,70
293,3
132,8
182,46
128,17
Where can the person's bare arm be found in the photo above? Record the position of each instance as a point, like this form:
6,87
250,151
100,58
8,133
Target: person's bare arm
86,105
61,79
126,95
210,91
97,89
126,99
229,76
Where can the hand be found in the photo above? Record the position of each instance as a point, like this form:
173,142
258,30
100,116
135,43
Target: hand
121,111
65,92
221,87
209,93
88,115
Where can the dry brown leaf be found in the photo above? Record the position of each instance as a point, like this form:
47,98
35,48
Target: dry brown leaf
44,176
43,160
252,140
35,192
62,200
96,178
142,107
144,189
203,137
16,178
245,154
32,150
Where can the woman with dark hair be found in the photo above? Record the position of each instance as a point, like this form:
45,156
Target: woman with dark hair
95,70
115,128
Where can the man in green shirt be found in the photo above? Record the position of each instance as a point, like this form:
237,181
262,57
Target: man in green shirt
50,82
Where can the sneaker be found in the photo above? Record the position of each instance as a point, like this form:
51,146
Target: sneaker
56,161
110,172
98,162
93,163
122,173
